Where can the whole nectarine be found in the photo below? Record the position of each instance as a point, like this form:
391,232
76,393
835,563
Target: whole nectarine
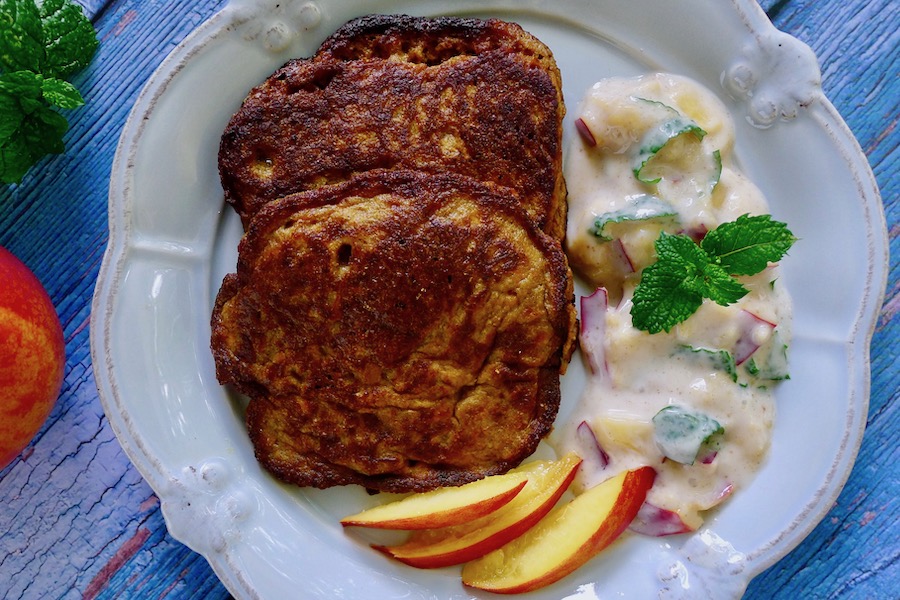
32,356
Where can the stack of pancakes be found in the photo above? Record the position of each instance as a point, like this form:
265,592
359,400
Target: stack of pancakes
402,307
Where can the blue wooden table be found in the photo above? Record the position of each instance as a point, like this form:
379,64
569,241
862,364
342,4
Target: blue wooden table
78,521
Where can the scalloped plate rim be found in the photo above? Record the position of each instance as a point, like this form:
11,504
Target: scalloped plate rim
157,474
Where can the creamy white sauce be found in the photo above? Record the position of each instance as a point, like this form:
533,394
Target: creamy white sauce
639,374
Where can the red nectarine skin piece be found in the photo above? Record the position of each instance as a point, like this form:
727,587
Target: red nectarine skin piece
629,500
419,551
654,521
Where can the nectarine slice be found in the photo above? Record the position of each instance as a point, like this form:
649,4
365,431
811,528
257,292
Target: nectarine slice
433,548
442,507
565,539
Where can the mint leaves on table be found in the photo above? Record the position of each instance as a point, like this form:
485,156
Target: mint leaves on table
40,47
673,288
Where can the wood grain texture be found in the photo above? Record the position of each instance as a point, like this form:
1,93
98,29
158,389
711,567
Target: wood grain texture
78,520
854,551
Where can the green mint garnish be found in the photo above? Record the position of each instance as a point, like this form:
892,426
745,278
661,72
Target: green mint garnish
674,125
640,208
40,46
673,288
747,245
717,171
722,360
680,432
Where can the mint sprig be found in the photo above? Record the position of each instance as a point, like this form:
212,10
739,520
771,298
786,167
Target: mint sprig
40,46
673,288
748,244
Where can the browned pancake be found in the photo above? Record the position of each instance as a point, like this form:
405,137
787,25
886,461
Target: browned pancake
479,98
400,330
432,41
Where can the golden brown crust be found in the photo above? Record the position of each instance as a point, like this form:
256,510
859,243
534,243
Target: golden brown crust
480,98
400,330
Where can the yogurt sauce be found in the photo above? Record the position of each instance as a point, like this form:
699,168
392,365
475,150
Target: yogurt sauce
719,365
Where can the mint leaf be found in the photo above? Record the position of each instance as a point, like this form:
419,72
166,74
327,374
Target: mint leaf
40,46
722,360
660,301
10,116
681,254
681,432
747,245
673,288
21,36
33,91
35,135
23,87
15,159
640,208
29,127
69,38
720,287
54,39
61,93
43,131
672,125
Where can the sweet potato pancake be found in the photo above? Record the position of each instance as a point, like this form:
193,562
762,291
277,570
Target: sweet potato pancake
401,330
476,97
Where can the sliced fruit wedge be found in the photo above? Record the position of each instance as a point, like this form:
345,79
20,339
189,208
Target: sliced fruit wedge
434,548
565,539
442,507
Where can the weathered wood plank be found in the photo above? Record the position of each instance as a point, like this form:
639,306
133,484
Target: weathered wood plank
78,520
93,8
854,552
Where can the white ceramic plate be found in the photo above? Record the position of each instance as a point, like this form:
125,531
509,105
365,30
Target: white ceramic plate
172,241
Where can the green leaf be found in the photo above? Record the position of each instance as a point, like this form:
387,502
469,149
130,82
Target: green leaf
21,36
640,208
672,125
69,38
11,115
661,300
680,432
717,171
61,93
15,159
672,288
681,250
21,83
747,245
54,39
721,360
41,44
35,135
44,132
720,287
24,87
